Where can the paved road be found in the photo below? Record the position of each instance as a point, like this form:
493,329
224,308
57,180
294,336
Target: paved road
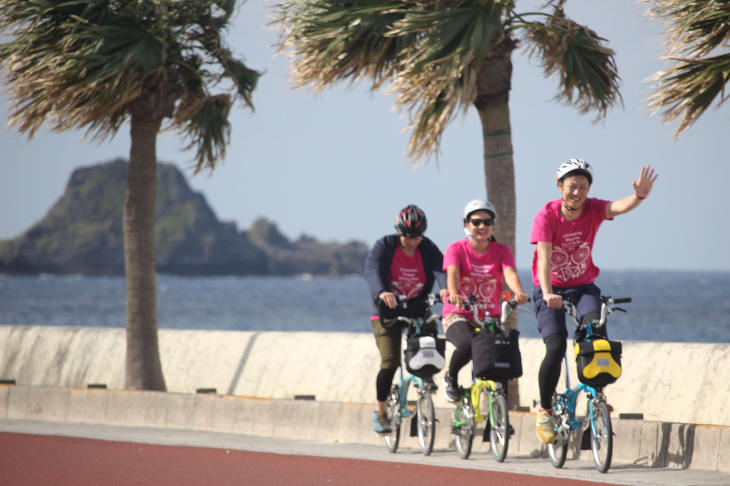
42,453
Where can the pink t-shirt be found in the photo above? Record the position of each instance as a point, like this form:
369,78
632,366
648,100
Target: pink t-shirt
571,264
407,276
479,274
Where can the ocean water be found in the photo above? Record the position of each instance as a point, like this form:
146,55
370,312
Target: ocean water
667,306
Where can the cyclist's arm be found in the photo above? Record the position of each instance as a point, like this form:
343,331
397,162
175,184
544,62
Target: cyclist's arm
544,255
452,280
642,188
438,264
378,288
513,280
622,206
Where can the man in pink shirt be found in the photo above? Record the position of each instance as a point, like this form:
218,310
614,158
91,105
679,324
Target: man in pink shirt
563,232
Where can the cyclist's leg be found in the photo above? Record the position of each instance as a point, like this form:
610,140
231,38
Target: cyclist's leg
459,334
555,347
588,309
551,324
389,345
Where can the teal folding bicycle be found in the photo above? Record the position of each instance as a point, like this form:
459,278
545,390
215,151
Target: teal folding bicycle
599,418
396,405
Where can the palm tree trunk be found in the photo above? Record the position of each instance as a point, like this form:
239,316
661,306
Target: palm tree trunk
492,103
143,367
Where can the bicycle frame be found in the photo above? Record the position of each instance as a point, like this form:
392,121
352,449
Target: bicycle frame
492,386
469,412
570,396
406,380
565,403
397,408
569,400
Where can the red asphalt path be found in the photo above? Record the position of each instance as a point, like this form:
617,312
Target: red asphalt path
30,460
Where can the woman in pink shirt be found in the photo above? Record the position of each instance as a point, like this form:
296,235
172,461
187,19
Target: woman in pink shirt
563,232
475,266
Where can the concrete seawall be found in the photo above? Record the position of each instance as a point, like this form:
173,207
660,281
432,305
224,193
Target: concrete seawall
667,382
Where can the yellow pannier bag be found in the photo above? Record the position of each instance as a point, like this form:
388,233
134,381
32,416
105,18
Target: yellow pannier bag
598,362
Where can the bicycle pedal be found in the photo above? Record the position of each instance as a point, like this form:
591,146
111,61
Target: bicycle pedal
456,430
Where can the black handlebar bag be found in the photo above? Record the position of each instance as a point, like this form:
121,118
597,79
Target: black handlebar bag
598,362
496,355
425,354
414,308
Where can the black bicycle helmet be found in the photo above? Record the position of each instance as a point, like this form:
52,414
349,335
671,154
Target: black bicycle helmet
411,222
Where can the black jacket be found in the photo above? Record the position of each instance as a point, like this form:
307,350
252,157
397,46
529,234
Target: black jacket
380,258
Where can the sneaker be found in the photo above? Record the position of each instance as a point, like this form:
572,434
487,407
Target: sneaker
451,389
429,384
545,426
380,423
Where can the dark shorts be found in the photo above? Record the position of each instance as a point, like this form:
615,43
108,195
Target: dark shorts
552,321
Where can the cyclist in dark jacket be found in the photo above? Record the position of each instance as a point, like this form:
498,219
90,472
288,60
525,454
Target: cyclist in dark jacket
403,264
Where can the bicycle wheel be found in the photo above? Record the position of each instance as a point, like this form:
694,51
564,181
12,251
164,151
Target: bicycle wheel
392,411
499,423
464,433
602,437
426,422
558,450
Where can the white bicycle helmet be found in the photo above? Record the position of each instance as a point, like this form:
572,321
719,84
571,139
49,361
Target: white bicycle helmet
575,165
477,205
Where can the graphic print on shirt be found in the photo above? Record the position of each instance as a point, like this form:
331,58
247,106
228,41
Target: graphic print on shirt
569,259
407,283
479,282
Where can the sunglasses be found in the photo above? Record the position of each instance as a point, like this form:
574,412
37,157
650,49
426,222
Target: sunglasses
479,222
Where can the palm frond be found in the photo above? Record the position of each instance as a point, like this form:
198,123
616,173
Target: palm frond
586,69
693,28
689,88
330,40
204,122
696,34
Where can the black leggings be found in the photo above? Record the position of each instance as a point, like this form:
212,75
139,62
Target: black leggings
555,346
383,382
459,334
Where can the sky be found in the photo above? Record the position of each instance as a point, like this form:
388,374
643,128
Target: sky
333,165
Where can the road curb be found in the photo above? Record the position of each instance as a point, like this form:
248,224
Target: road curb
654,444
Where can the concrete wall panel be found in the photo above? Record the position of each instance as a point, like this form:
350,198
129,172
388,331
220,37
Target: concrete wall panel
706,447
4,393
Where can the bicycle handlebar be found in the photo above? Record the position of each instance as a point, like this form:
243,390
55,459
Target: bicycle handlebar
413,308
623,300
606,303
507,307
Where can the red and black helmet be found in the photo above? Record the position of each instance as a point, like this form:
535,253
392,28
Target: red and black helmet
411,222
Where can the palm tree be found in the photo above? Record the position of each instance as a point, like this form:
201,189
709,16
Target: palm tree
698,33
93,64
442,56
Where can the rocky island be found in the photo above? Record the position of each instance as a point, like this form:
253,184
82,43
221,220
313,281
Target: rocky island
82,234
